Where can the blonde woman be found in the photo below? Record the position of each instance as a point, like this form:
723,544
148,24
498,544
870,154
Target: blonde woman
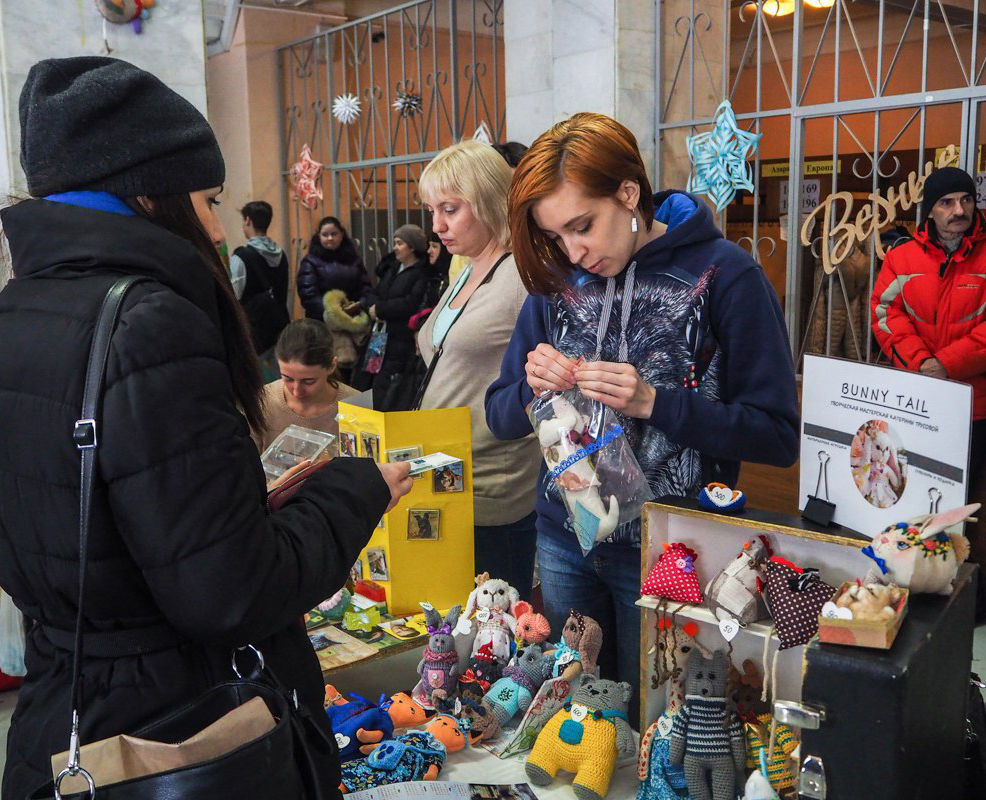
465,188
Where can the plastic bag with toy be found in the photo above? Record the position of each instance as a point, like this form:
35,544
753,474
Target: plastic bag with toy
11,638
591,462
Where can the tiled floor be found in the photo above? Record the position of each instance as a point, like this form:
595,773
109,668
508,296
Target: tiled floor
383,675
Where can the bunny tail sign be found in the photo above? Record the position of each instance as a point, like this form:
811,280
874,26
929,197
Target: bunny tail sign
918,554
880,444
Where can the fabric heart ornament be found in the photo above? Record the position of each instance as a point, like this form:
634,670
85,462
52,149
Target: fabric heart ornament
673,575
795,597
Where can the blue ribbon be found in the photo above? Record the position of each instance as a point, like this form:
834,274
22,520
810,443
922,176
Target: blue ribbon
868,551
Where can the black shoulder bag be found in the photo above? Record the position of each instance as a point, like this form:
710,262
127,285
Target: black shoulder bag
438,353
297,758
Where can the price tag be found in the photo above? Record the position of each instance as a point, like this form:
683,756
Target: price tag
427,606
664,725
579,712
729,628
483,615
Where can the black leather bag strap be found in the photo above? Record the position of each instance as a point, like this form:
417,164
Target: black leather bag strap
86,437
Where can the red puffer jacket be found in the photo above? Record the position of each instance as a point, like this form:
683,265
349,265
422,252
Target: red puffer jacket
927,303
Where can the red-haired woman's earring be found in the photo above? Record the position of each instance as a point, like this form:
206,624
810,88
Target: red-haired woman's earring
633,223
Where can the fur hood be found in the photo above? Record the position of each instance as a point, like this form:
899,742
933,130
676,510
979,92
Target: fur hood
337,319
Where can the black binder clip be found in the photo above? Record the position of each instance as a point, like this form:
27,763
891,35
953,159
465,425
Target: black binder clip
818,510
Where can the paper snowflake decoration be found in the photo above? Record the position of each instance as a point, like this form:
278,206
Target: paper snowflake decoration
305,174
719,158
483,134
407,103
346,108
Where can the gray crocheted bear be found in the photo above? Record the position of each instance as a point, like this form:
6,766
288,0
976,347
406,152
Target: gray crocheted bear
706,735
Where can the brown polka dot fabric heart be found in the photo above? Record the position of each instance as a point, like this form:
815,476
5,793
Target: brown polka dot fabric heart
795,598
673,576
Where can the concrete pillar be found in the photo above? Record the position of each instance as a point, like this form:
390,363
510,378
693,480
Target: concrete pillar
565,56
172,46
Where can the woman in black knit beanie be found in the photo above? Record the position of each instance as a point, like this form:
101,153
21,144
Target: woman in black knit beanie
184,562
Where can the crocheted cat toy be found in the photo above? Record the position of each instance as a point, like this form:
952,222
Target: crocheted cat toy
414,756
359,726
659,778
705,735
585,737
581,641
512,694
405,712
438,668
493,602
483,671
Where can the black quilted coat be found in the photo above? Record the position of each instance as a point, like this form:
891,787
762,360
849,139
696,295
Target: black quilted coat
180,530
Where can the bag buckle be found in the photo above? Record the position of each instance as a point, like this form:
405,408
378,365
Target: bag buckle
84,434
74,768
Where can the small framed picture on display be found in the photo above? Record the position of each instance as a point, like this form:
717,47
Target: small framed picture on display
403,454
376,558
347,444
447,478
356,571
423,523
371,446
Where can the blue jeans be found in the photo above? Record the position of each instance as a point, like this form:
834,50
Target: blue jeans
507,552
604,585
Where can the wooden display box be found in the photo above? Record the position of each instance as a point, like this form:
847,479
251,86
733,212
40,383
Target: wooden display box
862,633
717,539
434,565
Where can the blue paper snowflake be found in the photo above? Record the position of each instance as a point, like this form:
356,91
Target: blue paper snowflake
719,158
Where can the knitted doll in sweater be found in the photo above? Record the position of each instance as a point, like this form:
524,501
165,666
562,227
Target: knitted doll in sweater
585,737
706,735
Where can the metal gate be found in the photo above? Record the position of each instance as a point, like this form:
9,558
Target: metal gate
850,97
415,79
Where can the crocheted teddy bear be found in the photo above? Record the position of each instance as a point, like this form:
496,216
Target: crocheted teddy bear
706,735
581,640
512,694
438,668
585,737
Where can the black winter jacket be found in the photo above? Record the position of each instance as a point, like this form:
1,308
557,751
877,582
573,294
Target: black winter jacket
399,296
180,531
316,276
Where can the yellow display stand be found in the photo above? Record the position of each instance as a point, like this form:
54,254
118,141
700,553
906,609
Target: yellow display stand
435,562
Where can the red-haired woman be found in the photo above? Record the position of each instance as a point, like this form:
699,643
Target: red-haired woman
681,335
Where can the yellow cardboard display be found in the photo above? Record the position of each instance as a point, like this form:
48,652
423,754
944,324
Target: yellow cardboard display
440,571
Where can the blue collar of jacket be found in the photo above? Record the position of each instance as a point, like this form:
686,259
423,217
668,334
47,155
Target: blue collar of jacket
96,201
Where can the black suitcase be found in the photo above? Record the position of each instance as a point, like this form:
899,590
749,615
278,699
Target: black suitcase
895,721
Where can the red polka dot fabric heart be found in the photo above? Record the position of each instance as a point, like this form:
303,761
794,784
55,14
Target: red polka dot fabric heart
795,598
673,576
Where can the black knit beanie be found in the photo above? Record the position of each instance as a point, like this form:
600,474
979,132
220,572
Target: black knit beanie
943,181
101,124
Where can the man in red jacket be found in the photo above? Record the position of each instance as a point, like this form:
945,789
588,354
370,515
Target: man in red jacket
929,303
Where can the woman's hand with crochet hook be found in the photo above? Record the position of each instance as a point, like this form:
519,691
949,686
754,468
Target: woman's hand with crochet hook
548,370
618,386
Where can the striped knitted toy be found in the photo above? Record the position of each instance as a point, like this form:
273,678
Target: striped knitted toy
706,735
779,768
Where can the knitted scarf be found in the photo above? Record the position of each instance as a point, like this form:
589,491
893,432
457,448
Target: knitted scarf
521,678
430,656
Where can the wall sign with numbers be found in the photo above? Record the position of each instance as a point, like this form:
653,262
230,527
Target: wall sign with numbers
810,192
